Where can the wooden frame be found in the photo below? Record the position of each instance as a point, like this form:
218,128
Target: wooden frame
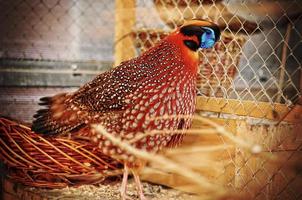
124,22
264,110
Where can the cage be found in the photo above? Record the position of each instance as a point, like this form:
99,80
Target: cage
249,84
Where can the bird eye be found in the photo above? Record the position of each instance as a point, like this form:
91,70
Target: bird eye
191,44
207,38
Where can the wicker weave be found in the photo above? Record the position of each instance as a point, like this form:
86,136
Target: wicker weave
51,162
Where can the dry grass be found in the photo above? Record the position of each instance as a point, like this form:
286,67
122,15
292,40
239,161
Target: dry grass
165,165
111,192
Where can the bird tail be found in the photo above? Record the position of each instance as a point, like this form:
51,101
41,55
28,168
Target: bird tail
57,117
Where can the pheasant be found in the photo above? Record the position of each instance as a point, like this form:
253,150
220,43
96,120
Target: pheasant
127,99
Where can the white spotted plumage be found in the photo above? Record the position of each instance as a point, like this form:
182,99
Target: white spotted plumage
127,99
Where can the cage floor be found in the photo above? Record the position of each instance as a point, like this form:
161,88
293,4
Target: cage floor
108,192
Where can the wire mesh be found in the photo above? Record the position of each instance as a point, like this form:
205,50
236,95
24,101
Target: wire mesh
57,30
258,59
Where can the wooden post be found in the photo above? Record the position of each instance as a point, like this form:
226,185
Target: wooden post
124,23
283,61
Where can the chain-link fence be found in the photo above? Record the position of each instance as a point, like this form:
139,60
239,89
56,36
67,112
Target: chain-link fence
57,30
258,57
55,43
255,66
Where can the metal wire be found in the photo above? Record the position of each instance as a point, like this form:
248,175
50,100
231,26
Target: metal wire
258,58
57,30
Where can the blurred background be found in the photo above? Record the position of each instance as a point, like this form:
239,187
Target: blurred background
249,82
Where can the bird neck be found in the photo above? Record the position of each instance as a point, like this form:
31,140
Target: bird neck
171,54
189,57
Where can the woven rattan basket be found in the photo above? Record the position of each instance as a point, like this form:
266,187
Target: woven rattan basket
58,162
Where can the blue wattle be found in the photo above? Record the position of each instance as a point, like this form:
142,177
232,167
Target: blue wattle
207,38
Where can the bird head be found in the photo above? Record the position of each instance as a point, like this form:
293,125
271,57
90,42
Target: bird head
192,36
199,34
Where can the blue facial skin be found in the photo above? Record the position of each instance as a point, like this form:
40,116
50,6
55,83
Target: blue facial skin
207,38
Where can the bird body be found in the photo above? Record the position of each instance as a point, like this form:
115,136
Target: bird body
128,99
160,82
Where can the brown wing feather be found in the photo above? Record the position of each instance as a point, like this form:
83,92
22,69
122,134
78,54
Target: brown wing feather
59,117
105,94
